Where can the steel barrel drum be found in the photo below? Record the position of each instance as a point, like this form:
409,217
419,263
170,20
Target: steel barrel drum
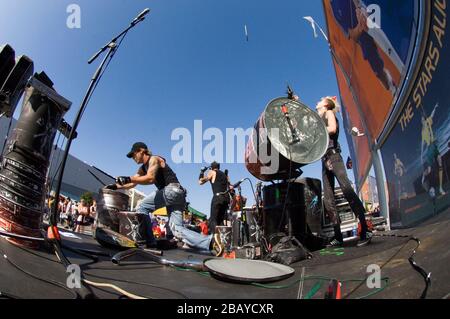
109,205
26,160
272,150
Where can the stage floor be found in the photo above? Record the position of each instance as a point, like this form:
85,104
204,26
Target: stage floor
30,274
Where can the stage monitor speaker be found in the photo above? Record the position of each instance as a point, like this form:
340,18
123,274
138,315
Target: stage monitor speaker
284,213
312,192
26,160
7,62
15,84
304,208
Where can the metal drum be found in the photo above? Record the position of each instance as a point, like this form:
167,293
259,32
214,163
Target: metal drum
26,160
109,205
274,147
116,226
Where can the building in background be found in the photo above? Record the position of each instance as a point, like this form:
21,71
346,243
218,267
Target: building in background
369,193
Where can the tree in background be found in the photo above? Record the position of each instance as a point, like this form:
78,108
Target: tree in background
88,198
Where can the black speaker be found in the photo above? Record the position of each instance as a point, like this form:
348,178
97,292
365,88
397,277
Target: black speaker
15,84
32,139
313,203
26,159
7,62
284,213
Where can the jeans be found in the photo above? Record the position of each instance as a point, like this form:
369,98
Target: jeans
174,198
333,166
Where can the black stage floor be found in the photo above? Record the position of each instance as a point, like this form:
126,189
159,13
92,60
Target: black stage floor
27,274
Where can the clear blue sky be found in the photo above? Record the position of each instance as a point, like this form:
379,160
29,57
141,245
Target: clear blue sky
189,60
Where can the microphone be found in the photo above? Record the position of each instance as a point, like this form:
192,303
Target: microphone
233,186
285,111
141,16
239,183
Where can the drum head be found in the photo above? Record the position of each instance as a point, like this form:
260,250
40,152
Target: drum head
247,271
309,127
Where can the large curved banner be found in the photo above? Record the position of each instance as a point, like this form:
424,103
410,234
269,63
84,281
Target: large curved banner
371,42
416,153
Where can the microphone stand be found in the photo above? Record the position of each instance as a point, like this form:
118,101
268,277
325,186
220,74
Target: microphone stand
112,48
114,40
285,111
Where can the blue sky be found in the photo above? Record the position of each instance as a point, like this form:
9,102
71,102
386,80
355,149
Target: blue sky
189,60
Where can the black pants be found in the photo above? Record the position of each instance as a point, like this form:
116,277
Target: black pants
333,167
219,206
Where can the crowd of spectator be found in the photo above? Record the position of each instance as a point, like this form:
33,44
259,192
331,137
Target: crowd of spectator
72,214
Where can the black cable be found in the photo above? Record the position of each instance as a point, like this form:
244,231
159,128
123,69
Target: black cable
57,161
66,263
84,265
127,268
7,295
263,239
81,253
420,270
253,190
54,150
16,236
287,191
33,252
48,281
388,261
426,276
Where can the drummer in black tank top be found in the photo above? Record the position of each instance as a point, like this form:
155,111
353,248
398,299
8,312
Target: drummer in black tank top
219,203
164,175
170,194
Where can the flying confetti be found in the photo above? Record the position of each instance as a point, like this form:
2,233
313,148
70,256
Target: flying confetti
313,25
311,20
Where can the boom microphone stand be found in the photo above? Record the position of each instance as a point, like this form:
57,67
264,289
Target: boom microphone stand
112,47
